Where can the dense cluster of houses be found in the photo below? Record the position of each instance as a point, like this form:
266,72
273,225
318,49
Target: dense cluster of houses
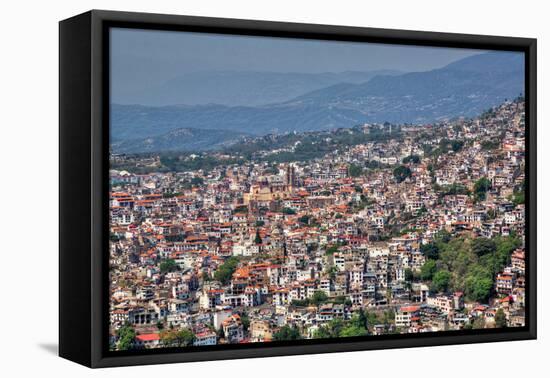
239,252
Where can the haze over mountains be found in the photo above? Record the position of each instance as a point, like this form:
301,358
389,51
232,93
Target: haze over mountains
464,88
247,88
184,139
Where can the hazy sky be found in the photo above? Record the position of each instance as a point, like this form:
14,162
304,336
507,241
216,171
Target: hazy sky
141,58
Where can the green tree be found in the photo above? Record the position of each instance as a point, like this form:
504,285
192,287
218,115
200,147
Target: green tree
245,320
354,170
441,280
322,332
479,323
359,319
401,173
428,270
168,265
287,333
318,298
389,317
341,299
372,318
415,159
177,337
288,211
478,283
430,251
225,271
519,197
241,209
481,187
185,337
504,248
332,329
483,246
500,319
197,181
489,145
300,302
353,330
456,145
443,236
258,238
126,336
168,337
409,275
220,333
331,250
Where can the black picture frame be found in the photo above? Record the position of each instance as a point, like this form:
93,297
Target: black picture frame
83,181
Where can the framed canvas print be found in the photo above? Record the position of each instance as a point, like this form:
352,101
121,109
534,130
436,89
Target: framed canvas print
234,188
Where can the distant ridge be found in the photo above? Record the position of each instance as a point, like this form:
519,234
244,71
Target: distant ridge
238,88
463,88
179,140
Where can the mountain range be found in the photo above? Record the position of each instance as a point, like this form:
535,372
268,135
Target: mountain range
234,88
463,88
184,139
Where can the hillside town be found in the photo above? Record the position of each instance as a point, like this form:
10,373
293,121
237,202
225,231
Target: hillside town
420,228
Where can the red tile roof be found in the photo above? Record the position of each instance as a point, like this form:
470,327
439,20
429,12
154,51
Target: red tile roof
148,337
